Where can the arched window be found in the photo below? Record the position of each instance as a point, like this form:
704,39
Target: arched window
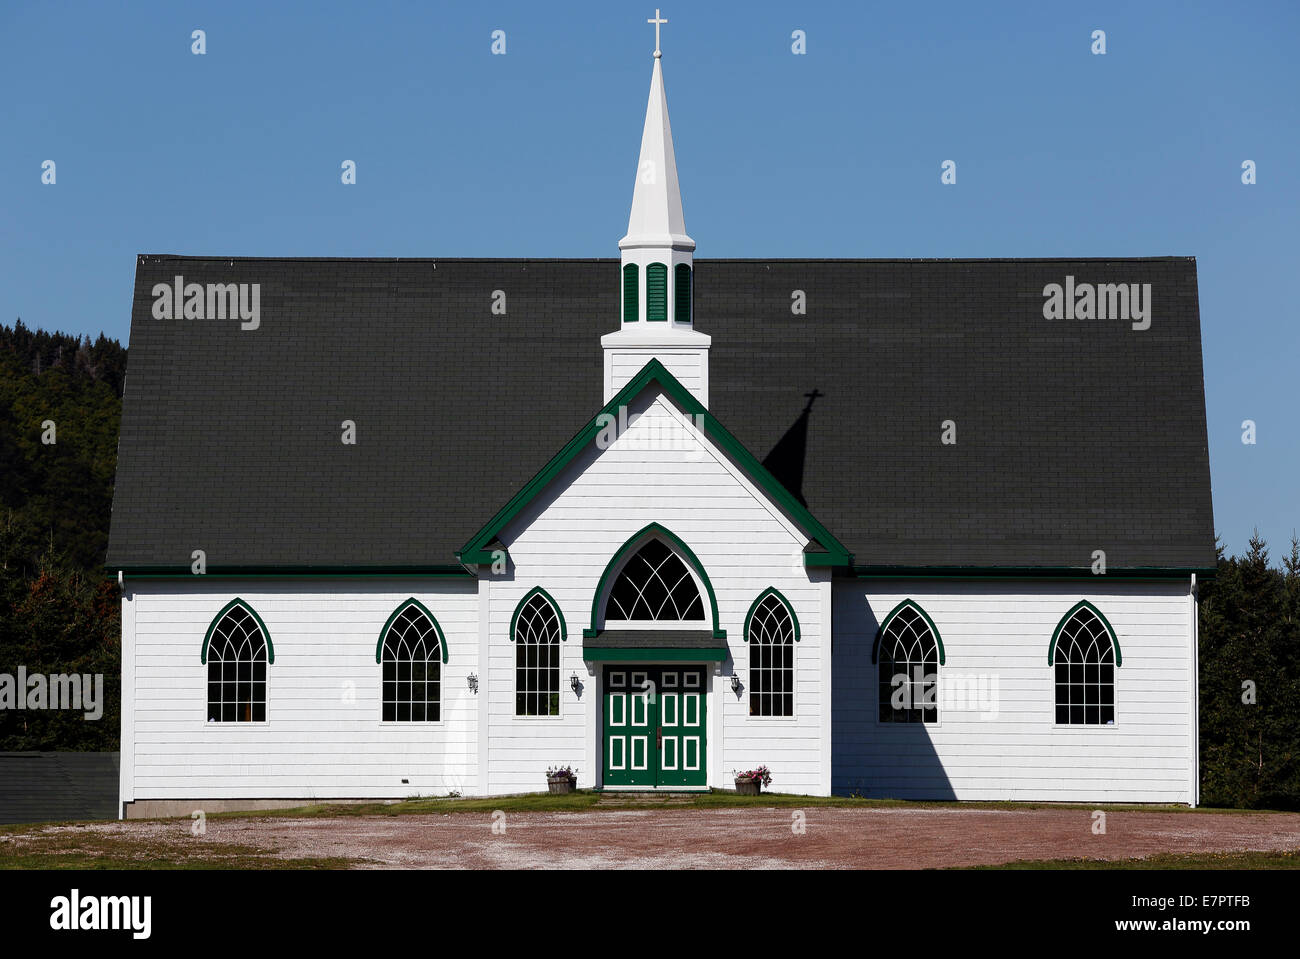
908,655
771,629
1084,653
654,586
537,629
236,650
412,650
682,293
630,293
656,292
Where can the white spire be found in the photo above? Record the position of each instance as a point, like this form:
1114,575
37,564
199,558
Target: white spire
657,219
656,265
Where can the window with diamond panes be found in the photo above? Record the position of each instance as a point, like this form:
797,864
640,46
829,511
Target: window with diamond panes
1085,671
771,658
236,657
908,663
537,658
412,668
654,586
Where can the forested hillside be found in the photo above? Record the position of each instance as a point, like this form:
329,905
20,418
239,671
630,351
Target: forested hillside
60,403
59,610
1250,681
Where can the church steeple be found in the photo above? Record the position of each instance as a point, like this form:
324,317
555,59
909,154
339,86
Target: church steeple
657,262
657,221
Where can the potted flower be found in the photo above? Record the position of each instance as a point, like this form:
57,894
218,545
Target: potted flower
561,779
751,782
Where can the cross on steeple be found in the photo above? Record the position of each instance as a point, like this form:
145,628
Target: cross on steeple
657,21
812,398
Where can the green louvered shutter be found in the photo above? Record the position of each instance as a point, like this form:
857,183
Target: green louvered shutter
656,292
630,305
682,294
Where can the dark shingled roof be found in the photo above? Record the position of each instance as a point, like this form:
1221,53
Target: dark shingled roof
1073,435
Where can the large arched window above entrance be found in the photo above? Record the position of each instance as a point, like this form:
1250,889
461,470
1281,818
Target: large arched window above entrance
654,586
655,578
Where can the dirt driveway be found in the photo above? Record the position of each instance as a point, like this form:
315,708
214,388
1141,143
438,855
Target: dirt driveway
755,838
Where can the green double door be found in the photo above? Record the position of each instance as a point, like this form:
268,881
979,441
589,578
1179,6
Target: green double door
654,726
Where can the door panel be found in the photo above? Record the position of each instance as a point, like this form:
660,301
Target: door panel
655,726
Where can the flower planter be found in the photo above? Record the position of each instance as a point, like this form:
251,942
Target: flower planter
561,784
749,787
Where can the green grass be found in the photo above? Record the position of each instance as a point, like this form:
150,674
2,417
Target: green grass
588,800
1167,861
43,850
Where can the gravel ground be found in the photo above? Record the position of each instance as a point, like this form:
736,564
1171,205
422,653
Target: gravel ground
753,838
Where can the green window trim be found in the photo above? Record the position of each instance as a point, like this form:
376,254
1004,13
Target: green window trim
656,293
938,640
773,591
1110,630
626,550
266,633
437,627
682,293
630,293
477,550
514,619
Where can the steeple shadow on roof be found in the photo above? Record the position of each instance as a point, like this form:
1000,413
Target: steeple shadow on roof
787,459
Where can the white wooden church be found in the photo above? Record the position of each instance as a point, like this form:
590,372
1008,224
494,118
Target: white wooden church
420,526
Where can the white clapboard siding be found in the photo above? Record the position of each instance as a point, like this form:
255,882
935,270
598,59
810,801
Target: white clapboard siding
689,367
564,542
323,737
1001,631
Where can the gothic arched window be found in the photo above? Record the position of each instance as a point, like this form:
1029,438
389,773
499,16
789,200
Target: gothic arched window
537,630
236,653
412,651
655,585
771,630
908,654
1083,654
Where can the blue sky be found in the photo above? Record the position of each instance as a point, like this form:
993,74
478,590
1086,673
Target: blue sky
832,154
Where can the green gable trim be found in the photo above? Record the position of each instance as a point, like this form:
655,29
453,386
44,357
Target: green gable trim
938,640
266,633
514,619
682,293
656,293
637,538
630,293
1031,572
649,654
771,591
1084,604
833,552
437,627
